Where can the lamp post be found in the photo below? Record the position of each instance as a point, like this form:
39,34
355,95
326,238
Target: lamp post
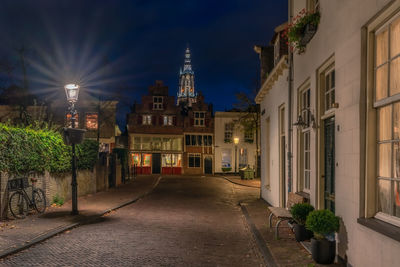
236,142
72,92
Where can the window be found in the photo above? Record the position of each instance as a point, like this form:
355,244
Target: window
157,102
168,120
242,157
226,158
249,136
136,159
228,132
69,122
305,140
207,140
171,160
199,118
146,160
146,120
91,121
329,89
387,88
194,160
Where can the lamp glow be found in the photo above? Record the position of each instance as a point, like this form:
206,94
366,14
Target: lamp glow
72,92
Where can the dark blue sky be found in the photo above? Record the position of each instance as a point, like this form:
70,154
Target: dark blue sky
109,44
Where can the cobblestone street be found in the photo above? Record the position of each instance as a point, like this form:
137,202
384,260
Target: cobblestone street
186,221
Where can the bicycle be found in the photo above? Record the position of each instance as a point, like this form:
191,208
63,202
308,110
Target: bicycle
20,203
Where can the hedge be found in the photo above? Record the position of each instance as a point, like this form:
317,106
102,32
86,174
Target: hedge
23,150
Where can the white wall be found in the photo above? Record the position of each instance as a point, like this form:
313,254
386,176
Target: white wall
277,96
339,34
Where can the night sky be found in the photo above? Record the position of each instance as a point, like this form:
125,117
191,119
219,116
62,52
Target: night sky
122,47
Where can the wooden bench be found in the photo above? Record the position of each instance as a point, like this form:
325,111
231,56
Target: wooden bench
283,214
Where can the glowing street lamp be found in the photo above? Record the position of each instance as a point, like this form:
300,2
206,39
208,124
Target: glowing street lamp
236,142
72,92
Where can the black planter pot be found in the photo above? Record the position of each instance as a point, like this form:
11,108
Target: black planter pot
301,233
323,251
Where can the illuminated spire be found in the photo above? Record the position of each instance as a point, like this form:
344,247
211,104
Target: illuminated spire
186,91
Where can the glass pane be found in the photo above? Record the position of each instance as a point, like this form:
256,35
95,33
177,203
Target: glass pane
385,158
396,195
333,79
384,196
395,76
147,160
197,161
199,140
226,158
396,121
381,47
307,160
396,159
327,83
191,161
381,82
385,123
307,141
307,180
395,38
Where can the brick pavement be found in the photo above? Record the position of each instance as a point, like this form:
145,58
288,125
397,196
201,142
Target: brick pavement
185,221
15,234
236,180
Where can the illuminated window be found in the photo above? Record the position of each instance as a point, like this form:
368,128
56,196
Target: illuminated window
168,120
194,160
68,121
136,159
199,118
146,120
157,102
92,121
226,158
242,157
387,90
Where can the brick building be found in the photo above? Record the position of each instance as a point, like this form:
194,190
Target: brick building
171,137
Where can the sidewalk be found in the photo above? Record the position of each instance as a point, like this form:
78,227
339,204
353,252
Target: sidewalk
282,252
16,235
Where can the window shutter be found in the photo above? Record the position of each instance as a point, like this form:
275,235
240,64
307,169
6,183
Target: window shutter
174,120
139,119
153,120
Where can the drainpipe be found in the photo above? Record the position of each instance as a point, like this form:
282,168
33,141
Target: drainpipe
290,109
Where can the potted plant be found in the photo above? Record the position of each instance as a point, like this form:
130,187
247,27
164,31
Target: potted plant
324,224
302,29
299,212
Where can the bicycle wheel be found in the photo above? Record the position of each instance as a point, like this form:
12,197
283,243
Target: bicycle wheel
39,200
18,205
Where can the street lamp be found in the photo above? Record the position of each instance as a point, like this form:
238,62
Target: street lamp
236,142
72,92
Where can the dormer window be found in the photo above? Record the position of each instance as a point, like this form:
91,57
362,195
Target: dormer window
157,102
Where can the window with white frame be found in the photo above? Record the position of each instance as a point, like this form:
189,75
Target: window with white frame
199,118
157,102
228,132
329,89
249,136
305,139
243,157
194,160
387,105
146,119
168,120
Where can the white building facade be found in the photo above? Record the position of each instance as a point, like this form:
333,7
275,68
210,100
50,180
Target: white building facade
227,153
345,129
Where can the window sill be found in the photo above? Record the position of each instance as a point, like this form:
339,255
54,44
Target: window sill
304,195
381,227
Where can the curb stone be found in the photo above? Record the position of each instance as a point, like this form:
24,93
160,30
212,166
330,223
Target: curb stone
233,182
58,230
266,253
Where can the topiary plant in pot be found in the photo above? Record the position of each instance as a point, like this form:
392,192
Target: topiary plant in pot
300,212
324,224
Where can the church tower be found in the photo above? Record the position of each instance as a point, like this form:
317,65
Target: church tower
186,93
